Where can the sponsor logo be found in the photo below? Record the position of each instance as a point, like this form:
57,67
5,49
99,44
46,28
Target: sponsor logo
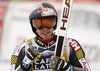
41,63
26,62
59,64
39,42
74,44
42,8
65,14
51,42
84,64
29,41
47,53
30,54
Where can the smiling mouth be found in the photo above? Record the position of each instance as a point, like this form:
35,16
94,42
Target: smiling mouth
45,33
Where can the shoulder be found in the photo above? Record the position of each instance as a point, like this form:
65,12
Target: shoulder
76,48
18,48
74,43
32,40
23,45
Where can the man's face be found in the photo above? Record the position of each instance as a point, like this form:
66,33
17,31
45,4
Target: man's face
45,33
44,26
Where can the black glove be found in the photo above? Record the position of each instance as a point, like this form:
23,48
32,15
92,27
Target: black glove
31,54
57,63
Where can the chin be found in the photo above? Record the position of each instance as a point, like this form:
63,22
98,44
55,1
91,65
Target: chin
46,38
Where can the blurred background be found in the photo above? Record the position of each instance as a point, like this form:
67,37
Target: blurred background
84,27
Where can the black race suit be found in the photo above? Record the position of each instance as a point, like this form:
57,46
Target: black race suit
72,52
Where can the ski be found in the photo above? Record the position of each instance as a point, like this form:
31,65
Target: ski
63,26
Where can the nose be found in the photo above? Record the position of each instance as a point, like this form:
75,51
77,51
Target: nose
44,28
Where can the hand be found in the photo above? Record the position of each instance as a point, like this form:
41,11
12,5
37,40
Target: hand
57,63
31,54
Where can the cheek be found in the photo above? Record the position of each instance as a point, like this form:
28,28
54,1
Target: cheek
38,31
51,30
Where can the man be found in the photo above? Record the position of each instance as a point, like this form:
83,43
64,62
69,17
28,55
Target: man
37,53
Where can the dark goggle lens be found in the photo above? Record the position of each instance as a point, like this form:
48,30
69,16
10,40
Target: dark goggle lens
41,23
44,27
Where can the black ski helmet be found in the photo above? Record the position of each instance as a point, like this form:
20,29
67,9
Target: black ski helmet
41,10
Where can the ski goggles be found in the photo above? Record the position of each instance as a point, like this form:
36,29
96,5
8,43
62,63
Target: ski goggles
41,23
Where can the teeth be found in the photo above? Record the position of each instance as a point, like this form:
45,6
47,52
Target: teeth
45,33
